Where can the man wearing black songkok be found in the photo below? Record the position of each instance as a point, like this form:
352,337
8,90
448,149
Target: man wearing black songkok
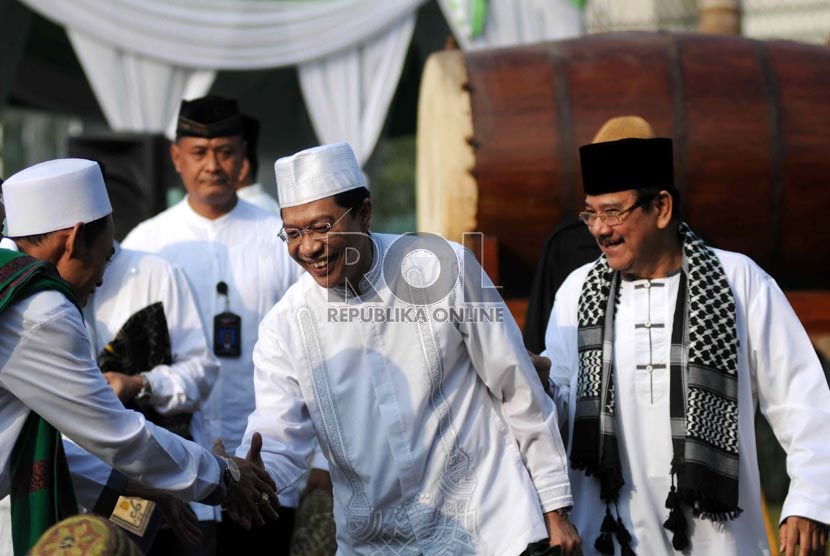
661,349
238,268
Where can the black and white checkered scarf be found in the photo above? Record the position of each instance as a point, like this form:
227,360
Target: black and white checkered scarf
703,394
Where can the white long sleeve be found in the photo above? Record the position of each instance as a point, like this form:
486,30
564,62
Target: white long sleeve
47,368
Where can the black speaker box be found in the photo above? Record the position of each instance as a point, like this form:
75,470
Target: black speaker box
137,169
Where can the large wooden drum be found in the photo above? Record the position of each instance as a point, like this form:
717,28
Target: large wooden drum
498,133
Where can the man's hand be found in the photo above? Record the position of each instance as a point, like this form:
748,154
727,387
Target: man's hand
318,479
179,517
254,497
542,365
810,535
126,387
561,533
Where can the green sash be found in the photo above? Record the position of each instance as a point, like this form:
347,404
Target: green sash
41,488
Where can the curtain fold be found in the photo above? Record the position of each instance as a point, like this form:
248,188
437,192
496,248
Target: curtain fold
228,34
136,93
348,94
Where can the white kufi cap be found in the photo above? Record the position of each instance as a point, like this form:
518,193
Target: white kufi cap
54,195
317,173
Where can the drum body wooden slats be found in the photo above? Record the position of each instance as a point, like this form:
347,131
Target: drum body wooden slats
750,122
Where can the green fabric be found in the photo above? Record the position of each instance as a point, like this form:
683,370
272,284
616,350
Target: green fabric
41,488
478,17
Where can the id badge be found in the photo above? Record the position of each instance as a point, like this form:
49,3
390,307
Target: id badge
227,331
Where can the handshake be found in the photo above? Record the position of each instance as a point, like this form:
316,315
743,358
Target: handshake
251,495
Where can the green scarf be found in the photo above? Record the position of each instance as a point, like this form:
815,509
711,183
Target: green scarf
41,488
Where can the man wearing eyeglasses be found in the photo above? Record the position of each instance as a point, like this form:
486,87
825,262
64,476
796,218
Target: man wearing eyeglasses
238,269
661,349
439,437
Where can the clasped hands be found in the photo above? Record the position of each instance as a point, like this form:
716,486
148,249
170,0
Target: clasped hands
252,499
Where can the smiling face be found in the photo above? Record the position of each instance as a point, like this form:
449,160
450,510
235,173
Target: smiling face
210,170
325,259
642,245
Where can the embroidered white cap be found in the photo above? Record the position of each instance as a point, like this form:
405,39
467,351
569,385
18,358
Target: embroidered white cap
55,195
317,173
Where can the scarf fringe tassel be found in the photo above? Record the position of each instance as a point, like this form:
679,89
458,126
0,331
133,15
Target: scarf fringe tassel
604,543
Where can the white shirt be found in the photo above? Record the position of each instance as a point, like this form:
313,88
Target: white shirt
439,437
257,196
243,250
46,367
777,368
134,280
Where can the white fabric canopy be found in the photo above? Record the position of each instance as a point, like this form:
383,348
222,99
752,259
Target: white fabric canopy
348,94
513,22
137,93
225,34
143,56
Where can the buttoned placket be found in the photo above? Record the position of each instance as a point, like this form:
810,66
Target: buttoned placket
645,295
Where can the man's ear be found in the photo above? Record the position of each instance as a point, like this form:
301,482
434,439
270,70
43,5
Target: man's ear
665,208
244,170
74,246
175,153
366,214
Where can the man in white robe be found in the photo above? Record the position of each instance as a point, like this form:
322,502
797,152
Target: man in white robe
440,440
650,338
59,212
317,479
231,254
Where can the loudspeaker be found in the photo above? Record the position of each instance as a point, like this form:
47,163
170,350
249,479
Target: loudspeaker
137,170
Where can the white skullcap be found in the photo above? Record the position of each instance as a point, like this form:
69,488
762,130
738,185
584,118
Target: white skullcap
55,195
317,173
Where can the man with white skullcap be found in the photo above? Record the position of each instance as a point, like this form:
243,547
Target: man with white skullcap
233,259
61,230
399,355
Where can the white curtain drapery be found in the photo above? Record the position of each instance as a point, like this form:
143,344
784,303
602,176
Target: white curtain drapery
228,34
136,93
143,56
348,94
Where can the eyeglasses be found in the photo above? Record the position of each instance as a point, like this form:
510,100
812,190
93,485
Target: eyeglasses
319,233
611,217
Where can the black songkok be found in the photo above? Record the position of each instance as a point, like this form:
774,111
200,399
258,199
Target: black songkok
209,117
627,164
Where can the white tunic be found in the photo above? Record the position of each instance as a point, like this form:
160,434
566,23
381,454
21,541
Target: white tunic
257,196
439,436
46,366
778,369
243,250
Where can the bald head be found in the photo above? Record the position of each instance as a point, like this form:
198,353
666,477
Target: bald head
624,127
